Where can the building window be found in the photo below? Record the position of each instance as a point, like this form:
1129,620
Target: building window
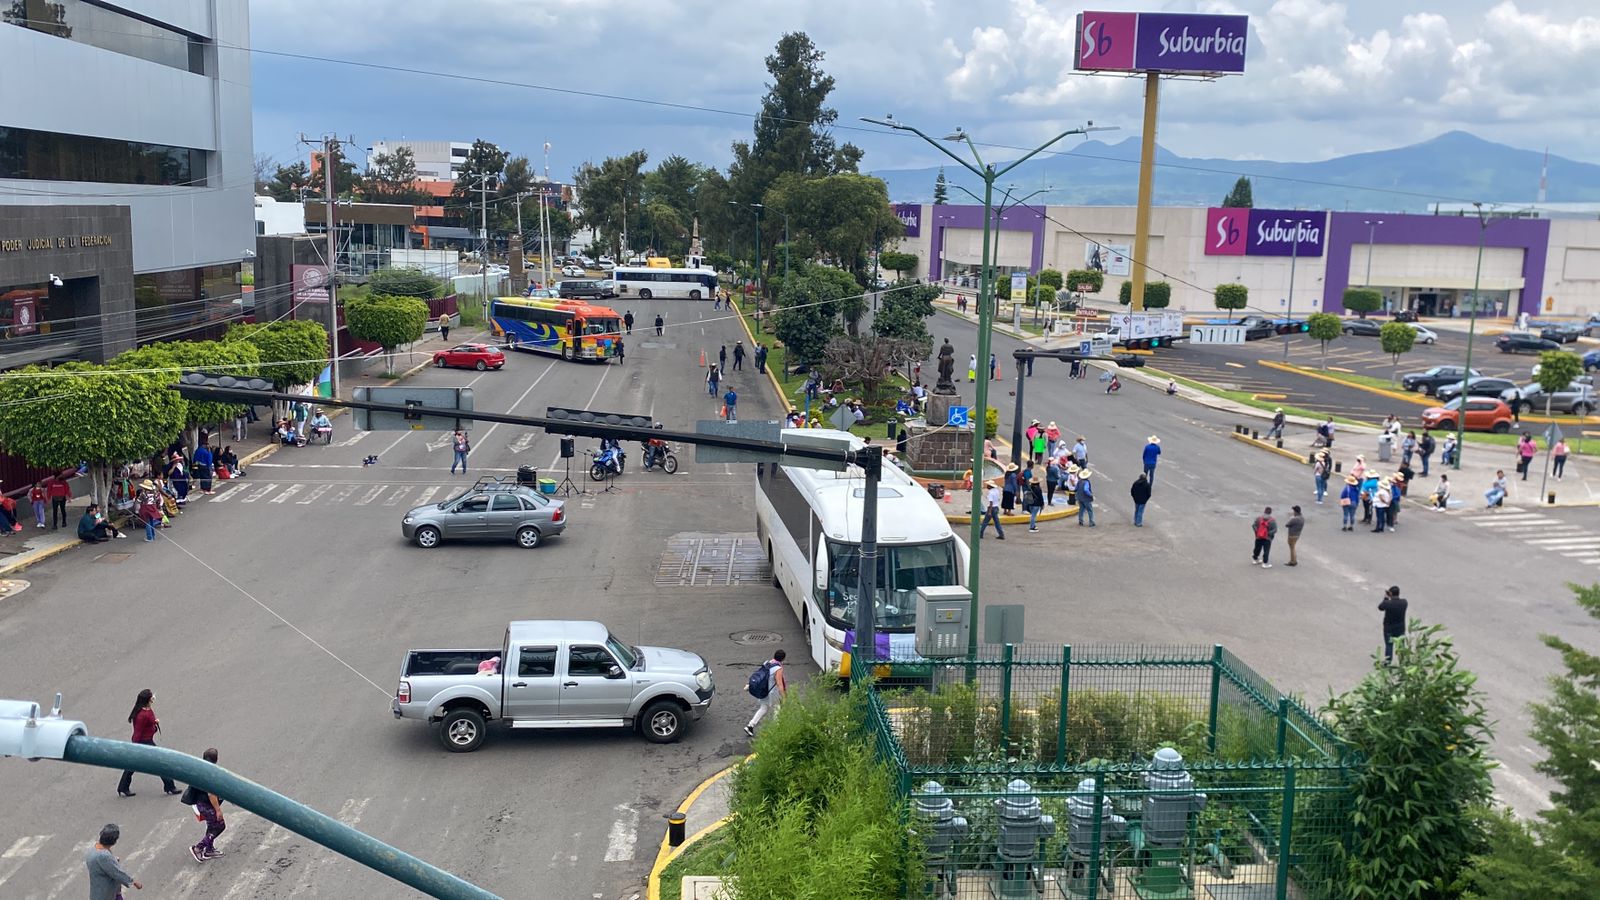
109,29
188,304
49,156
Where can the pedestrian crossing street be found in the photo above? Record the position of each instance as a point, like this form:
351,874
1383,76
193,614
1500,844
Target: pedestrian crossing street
1542,532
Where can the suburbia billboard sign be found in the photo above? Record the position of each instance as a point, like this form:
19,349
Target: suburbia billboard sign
1171,43
1264,232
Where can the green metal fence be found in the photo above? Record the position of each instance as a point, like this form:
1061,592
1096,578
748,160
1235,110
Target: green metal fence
1065,731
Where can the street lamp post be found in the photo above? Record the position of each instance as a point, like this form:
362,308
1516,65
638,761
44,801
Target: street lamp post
1294,256
1372,234
1472,331
758,207
990,175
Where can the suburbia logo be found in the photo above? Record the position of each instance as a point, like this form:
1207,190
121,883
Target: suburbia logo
1184,42
1095,40
1276,232
908,218
1227,233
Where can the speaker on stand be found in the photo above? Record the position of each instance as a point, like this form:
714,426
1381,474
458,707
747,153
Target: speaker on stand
567,487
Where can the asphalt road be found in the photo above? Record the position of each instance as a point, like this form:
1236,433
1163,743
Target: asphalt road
1185,578
1236,367
271,622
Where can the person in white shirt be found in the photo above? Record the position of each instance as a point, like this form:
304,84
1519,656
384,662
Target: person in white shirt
991,511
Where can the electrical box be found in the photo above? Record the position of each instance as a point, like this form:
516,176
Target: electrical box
943,625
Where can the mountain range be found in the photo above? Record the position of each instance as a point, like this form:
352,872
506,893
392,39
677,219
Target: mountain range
1454,167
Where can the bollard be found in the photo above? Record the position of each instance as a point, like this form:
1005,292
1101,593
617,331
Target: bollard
1280,443
1551,498
1255,435
675,829
1338,467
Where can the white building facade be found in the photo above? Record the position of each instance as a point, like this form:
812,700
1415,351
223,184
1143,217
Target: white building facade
436,160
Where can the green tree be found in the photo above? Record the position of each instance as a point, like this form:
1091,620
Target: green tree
485,163
842,215
806,316
1231,296
513,194
1557,369
387,321
1362,300
869,361
903,316
1558,856
1051,278
1421,726
670,188
1240,196
898,262
611,194
1324,327
347,182
1094,278
169,360
401,281
1157,294
291,352
392,178
79,412
1396,338
941,189
287,181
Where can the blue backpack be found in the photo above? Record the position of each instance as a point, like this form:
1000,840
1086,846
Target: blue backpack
760,684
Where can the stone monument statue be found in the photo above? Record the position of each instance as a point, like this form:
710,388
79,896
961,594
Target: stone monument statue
947,367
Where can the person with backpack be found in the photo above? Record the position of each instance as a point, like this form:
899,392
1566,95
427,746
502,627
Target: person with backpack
208,808
768,686
1265,529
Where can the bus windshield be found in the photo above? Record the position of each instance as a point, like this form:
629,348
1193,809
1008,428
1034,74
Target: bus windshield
901,570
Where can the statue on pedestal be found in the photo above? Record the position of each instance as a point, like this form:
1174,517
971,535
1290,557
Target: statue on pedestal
947,367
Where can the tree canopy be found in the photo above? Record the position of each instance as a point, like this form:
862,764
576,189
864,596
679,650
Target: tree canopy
808,308
611,194
1157,294
898,262
403,281
392,177
1362,300
484,160
941,189
842,215
169,359
1397,339
1241,195
1231,296
387,321
292,351
1324,327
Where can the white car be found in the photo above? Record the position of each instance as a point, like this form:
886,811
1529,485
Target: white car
1424,335
572,272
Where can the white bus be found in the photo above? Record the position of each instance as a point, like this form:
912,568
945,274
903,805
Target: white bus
809,522
644,282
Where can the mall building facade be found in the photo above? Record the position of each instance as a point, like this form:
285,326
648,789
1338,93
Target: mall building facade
1426,263
126,177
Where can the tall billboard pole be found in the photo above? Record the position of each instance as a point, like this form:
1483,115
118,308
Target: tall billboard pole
1157,44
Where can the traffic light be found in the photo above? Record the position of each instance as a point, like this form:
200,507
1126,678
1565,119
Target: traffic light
1155,343
1128,361
231,382
1305,327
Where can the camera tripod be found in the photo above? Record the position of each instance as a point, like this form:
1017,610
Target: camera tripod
568,487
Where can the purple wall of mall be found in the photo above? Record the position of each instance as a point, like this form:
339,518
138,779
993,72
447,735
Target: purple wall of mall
971,216
1347,230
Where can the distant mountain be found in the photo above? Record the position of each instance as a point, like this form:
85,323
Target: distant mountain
1453,167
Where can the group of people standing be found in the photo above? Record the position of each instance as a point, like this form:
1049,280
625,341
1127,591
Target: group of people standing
1065,470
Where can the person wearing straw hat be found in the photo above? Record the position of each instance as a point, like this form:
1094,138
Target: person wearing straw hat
1349,500
1034,502
1381,499
149,508
1152,455
991,511
1008,492
1052,438
1292,528
1085,497
1037,443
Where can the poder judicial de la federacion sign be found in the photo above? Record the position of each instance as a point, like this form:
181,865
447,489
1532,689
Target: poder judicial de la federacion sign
1166,43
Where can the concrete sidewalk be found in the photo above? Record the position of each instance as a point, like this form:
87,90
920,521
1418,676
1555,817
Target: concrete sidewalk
705,810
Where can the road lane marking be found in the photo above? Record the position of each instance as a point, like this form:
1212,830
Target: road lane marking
427,495
1235,365
70,872
286,493
316,492
345,494
523,443
395,444
513,407
399,494
156,841
259,493
227,495
352,439
18,854
624,835
372,495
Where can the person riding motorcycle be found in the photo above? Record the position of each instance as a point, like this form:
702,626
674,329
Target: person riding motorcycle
611,454
654,448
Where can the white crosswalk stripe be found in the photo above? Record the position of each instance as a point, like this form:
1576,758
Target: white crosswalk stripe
286,493
316,492
259,492
352,439
396,496
366,493
372,494
1545,532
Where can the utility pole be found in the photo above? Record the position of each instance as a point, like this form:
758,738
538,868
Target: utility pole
483,260
547,244
1294,256
330,150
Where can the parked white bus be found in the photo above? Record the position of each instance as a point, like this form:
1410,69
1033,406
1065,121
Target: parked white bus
644,282
809,522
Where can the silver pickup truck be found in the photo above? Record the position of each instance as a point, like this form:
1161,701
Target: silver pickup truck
554,674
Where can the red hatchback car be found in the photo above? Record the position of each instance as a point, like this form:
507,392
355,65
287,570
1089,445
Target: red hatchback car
470,356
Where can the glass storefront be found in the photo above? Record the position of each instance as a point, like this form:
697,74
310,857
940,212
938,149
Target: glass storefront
188,304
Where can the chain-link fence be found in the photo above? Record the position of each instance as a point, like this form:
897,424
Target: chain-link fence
1115,771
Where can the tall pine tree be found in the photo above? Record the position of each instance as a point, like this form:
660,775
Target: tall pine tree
941,189
1240,195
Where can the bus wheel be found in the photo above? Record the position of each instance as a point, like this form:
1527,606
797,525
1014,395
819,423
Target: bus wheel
694,295
644,294
564,353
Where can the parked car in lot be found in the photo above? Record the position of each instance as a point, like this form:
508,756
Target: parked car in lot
1430,381
470,356
1476,387
581,289
1257,327
1562,333
608,288
553,674
572,271
1577,399
1362,327
1524,343
1483,414
1425,335
1406,315
491,510
1591,360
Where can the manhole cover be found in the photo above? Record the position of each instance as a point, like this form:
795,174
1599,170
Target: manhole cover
113,557
751,638
713,560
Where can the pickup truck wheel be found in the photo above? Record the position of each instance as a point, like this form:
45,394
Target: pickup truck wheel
462,730
527,537
662,722
427,537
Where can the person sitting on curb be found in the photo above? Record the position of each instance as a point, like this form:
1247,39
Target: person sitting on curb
93,527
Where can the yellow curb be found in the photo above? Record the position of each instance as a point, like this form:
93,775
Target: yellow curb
777,387
1417,398
39,557
1050,515
1299,458
666,853
1269,396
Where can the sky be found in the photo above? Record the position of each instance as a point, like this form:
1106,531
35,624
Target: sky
1322,79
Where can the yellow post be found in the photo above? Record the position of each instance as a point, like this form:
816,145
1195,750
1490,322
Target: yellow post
1147,165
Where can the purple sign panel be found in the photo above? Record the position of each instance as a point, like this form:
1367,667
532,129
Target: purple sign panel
1176,43
1264,232
910,215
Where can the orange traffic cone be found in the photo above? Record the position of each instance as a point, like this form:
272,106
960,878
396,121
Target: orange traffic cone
947,496
999,373
702,357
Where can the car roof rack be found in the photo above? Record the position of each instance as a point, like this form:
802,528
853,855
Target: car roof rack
493,483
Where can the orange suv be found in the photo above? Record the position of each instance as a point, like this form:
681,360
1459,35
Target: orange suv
1483,414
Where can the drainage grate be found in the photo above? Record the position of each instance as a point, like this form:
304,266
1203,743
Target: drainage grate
113,557
713,560
755,638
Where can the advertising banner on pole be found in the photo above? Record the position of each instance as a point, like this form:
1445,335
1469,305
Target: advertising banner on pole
1167,43
1112,259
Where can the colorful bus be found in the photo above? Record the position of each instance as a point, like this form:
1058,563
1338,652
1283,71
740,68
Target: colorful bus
570,329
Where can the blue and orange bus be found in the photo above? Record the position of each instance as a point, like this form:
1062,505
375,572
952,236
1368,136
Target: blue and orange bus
570,329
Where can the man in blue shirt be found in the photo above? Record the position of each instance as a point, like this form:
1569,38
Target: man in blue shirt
1152,455
731,401
1085,498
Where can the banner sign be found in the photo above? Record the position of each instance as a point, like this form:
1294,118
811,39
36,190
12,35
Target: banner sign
1265,232
1111,259
1170,43
910,215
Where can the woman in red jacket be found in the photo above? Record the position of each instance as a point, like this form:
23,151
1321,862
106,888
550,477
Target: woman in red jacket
145,725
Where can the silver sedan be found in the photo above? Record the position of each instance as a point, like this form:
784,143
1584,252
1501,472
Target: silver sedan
499,512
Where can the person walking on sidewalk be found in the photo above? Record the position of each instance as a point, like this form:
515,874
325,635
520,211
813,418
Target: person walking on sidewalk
37,496
1349,500
1085,497
1276,431
991,511
1265,528
1141,495
730,405
1393,607
145,725
208,807
622,352
761,358
1526,449
59,491
1035,503
1292,528
1152,455
1558,459
994,363
460,446
769,686
107,877
444,327
149,509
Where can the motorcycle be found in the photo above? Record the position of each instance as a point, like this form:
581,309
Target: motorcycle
608,463
658,453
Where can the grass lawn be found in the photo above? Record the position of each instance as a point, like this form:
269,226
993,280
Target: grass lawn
706,856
